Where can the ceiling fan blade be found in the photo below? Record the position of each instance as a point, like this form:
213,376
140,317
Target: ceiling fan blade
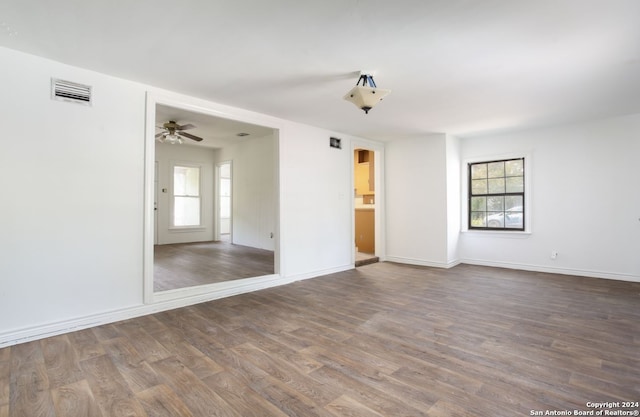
190,136
159,134
185,127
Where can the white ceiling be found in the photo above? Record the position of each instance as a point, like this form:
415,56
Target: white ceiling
216,132
457,66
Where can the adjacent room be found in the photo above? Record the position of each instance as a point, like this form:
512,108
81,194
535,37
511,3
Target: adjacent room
338,208
205,230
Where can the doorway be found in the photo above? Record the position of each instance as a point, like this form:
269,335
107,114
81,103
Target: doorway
364,180
224,202
253,149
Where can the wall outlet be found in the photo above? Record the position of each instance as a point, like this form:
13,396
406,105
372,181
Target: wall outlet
554,255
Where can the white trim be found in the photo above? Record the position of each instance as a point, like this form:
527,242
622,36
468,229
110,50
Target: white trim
555,270
319,273
149,198
422,262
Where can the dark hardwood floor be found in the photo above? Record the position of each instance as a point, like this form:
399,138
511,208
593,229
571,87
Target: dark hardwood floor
184,265
380,340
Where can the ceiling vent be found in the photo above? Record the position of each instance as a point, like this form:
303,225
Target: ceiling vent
68,91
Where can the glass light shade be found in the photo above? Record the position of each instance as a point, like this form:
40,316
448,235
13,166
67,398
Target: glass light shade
171,138
365,97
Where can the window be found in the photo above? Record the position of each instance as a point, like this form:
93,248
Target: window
225,198
186,196
496,195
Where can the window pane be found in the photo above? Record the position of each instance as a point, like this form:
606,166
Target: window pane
478,187
186,181
478,219
513,219
495,203
186,211
513,203
514,168
496,186
225,207
193,181
225,187
478,203
496,169
478,171
515,184
179,181
495,219
225,171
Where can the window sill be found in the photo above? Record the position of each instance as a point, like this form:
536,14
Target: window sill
186,229
497,233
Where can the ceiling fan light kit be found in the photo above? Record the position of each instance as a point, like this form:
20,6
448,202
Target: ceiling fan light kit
367,95
173,133
170,138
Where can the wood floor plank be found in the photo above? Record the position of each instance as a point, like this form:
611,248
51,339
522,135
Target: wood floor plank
75,400
197,396
279,369
29,383
131,364
5,378
344,406
280,346
109,388
144,344
86,344
161,401
242,398
105,332
61,361
385,395
383,339
201,365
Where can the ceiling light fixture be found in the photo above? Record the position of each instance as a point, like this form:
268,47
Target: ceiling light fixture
367,95
171,138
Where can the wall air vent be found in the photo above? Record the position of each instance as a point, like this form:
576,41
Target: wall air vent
68,91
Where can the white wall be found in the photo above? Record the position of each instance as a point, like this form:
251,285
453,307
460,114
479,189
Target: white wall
72,206
316,198
72,218
454,199
167,155
416,200
584,200
254,191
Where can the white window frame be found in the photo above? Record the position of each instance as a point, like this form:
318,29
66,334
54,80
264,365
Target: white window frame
528,189
172,225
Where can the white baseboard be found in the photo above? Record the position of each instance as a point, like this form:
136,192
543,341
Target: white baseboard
554,270
320,272
519,266
421,262
164,301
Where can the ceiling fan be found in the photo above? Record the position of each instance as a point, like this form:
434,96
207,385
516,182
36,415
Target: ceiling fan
174,133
